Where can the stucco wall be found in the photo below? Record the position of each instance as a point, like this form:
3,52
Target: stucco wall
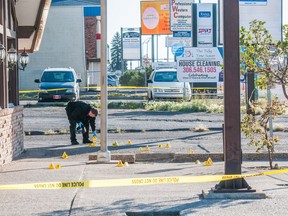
62,45
11,134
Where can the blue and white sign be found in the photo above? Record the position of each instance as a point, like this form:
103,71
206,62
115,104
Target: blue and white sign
204,14
131,43
253,2
182,34
205,25
177,49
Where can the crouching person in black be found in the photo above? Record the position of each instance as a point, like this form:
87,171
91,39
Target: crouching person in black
81,115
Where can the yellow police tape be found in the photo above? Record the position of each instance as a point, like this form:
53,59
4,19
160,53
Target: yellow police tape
133,181
109,87
90,87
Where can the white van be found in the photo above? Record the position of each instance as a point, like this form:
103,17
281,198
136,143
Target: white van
163,84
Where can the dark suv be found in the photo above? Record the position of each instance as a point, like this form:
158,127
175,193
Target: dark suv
58,84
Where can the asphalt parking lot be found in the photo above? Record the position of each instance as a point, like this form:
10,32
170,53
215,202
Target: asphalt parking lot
201,132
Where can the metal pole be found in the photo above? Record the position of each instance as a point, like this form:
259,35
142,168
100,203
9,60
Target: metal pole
232,87
145,79
167,54
141,50
103,154
157,48
232,130
122,63
152,49
184,91
147,49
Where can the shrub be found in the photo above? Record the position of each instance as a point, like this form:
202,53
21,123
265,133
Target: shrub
132,78
256,129
195,106
126,105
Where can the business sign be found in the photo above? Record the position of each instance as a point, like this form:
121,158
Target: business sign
177,49
204,14
253,2
185,42
155,17
131,42
199,65
161,65
205,22
269,11
181,15
182,34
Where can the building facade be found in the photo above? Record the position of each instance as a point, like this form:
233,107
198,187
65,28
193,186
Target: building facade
15,32
69,40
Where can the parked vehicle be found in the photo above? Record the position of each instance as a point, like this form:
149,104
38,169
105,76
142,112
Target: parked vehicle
163,83
112,81
58,84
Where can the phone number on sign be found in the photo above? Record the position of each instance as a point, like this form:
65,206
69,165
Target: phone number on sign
199,69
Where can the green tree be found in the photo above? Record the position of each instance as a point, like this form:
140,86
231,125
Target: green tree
264,56
148,71
256,127
116,53
268,58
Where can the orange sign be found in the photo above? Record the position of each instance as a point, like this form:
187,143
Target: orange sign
155,17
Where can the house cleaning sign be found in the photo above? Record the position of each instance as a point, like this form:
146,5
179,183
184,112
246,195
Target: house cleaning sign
199,65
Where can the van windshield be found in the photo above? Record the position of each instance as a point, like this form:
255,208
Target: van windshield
166,76
57,76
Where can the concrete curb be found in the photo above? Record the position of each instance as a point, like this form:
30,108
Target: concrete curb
58,132
183,158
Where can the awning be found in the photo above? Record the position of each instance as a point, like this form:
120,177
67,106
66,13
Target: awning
31,17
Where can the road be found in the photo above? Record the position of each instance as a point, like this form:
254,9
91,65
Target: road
276,91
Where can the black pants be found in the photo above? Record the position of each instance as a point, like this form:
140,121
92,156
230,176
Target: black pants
72,128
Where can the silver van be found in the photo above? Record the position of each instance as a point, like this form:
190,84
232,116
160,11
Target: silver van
58,84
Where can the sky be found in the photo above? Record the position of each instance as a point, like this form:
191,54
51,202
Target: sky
126,14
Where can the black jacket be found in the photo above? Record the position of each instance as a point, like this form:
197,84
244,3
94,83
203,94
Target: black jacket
78,111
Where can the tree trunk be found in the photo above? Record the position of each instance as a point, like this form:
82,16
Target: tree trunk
284,91
270,158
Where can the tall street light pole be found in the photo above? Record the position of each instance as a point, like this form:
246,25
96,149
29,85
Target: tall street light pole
103,155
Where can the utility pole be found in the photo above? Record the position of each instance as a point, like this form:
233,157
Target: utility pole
103,155
232,115
152,48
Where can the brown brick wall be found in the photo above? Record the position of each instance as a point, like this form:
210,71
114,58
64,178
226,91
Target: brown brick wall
11,134
90,37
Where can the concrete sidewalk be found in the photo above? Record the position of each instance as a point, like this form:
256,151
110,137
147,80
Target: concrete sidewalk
158,199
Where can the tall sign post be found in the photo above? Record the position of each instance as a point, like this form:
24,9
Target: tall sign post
232,130
103,155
